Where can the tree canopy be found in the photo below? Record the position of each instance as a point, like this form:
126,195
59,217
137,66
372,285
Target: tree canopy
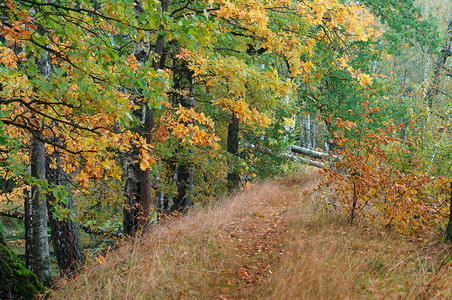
151,107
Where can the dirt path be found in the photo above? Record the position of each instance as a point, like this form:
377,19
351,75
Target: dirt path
259,237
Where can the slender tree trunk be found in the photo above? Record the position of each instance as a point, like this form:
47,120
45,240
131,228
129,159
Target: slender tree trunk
28,224
149,121
183,80
145,175
158,62
132,194
314,135
426,75
375,66
233,150
446,52
138,189
161,202
65,233
448,235
39,243
184,199
301,128
308,131
40,263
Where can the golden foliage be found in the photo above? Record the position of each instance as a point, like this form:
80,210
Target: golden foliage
368,185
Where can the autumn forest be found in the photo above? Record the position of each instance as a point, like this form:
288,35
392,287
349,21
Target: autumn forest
225,149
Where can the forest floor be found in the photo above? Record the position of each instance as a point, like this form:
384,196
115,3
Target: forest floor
271,241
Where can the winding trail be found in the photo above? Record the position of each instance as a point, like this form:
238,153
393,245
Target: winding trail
259,239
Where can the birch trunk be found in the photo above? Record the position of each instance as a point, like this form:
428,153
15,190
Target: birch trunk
314,135
446,52
39,246
312,153
40,264
308,131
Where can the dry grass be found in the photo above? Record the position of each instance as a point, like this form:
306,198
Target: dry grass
329,259
222,251
268,242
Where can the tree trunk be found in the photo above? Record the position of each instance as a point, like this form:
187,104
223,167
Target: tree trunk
138,189
158,62
132,194
300,126
446,52
183,80
39,243
233,150
28,224
16,282
184,198
308,131
161,202
145,175
448,234
65,233
38,247
312,153
426,76
314,135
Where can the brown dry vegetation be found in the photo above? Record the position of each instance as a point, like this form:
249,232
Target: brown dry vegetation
272,241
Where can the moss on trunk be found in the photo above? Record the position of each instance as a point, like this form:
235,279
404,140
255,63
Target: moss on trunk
16,282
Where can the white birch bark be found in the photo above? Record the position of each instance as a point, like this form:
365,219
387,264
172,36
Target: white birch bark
39,242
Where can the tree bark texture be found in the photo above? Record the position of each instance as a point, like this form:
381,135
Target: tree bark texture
138,189
28,224
39,247
40,244
312,153
233,150
65,233
161,202
132,190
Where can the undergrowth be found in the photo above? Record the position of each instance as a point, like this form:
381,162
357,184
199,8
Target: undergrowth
272,241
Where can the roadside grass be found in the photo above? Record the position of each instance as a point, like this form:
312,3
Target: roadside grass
271,241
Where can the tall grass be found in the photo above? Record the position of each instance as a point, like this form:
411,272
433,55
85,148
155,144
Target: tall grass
208,253
271,241
329,259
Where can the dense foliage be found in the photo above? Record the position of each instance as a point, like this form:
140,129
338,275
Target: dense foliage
145,109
